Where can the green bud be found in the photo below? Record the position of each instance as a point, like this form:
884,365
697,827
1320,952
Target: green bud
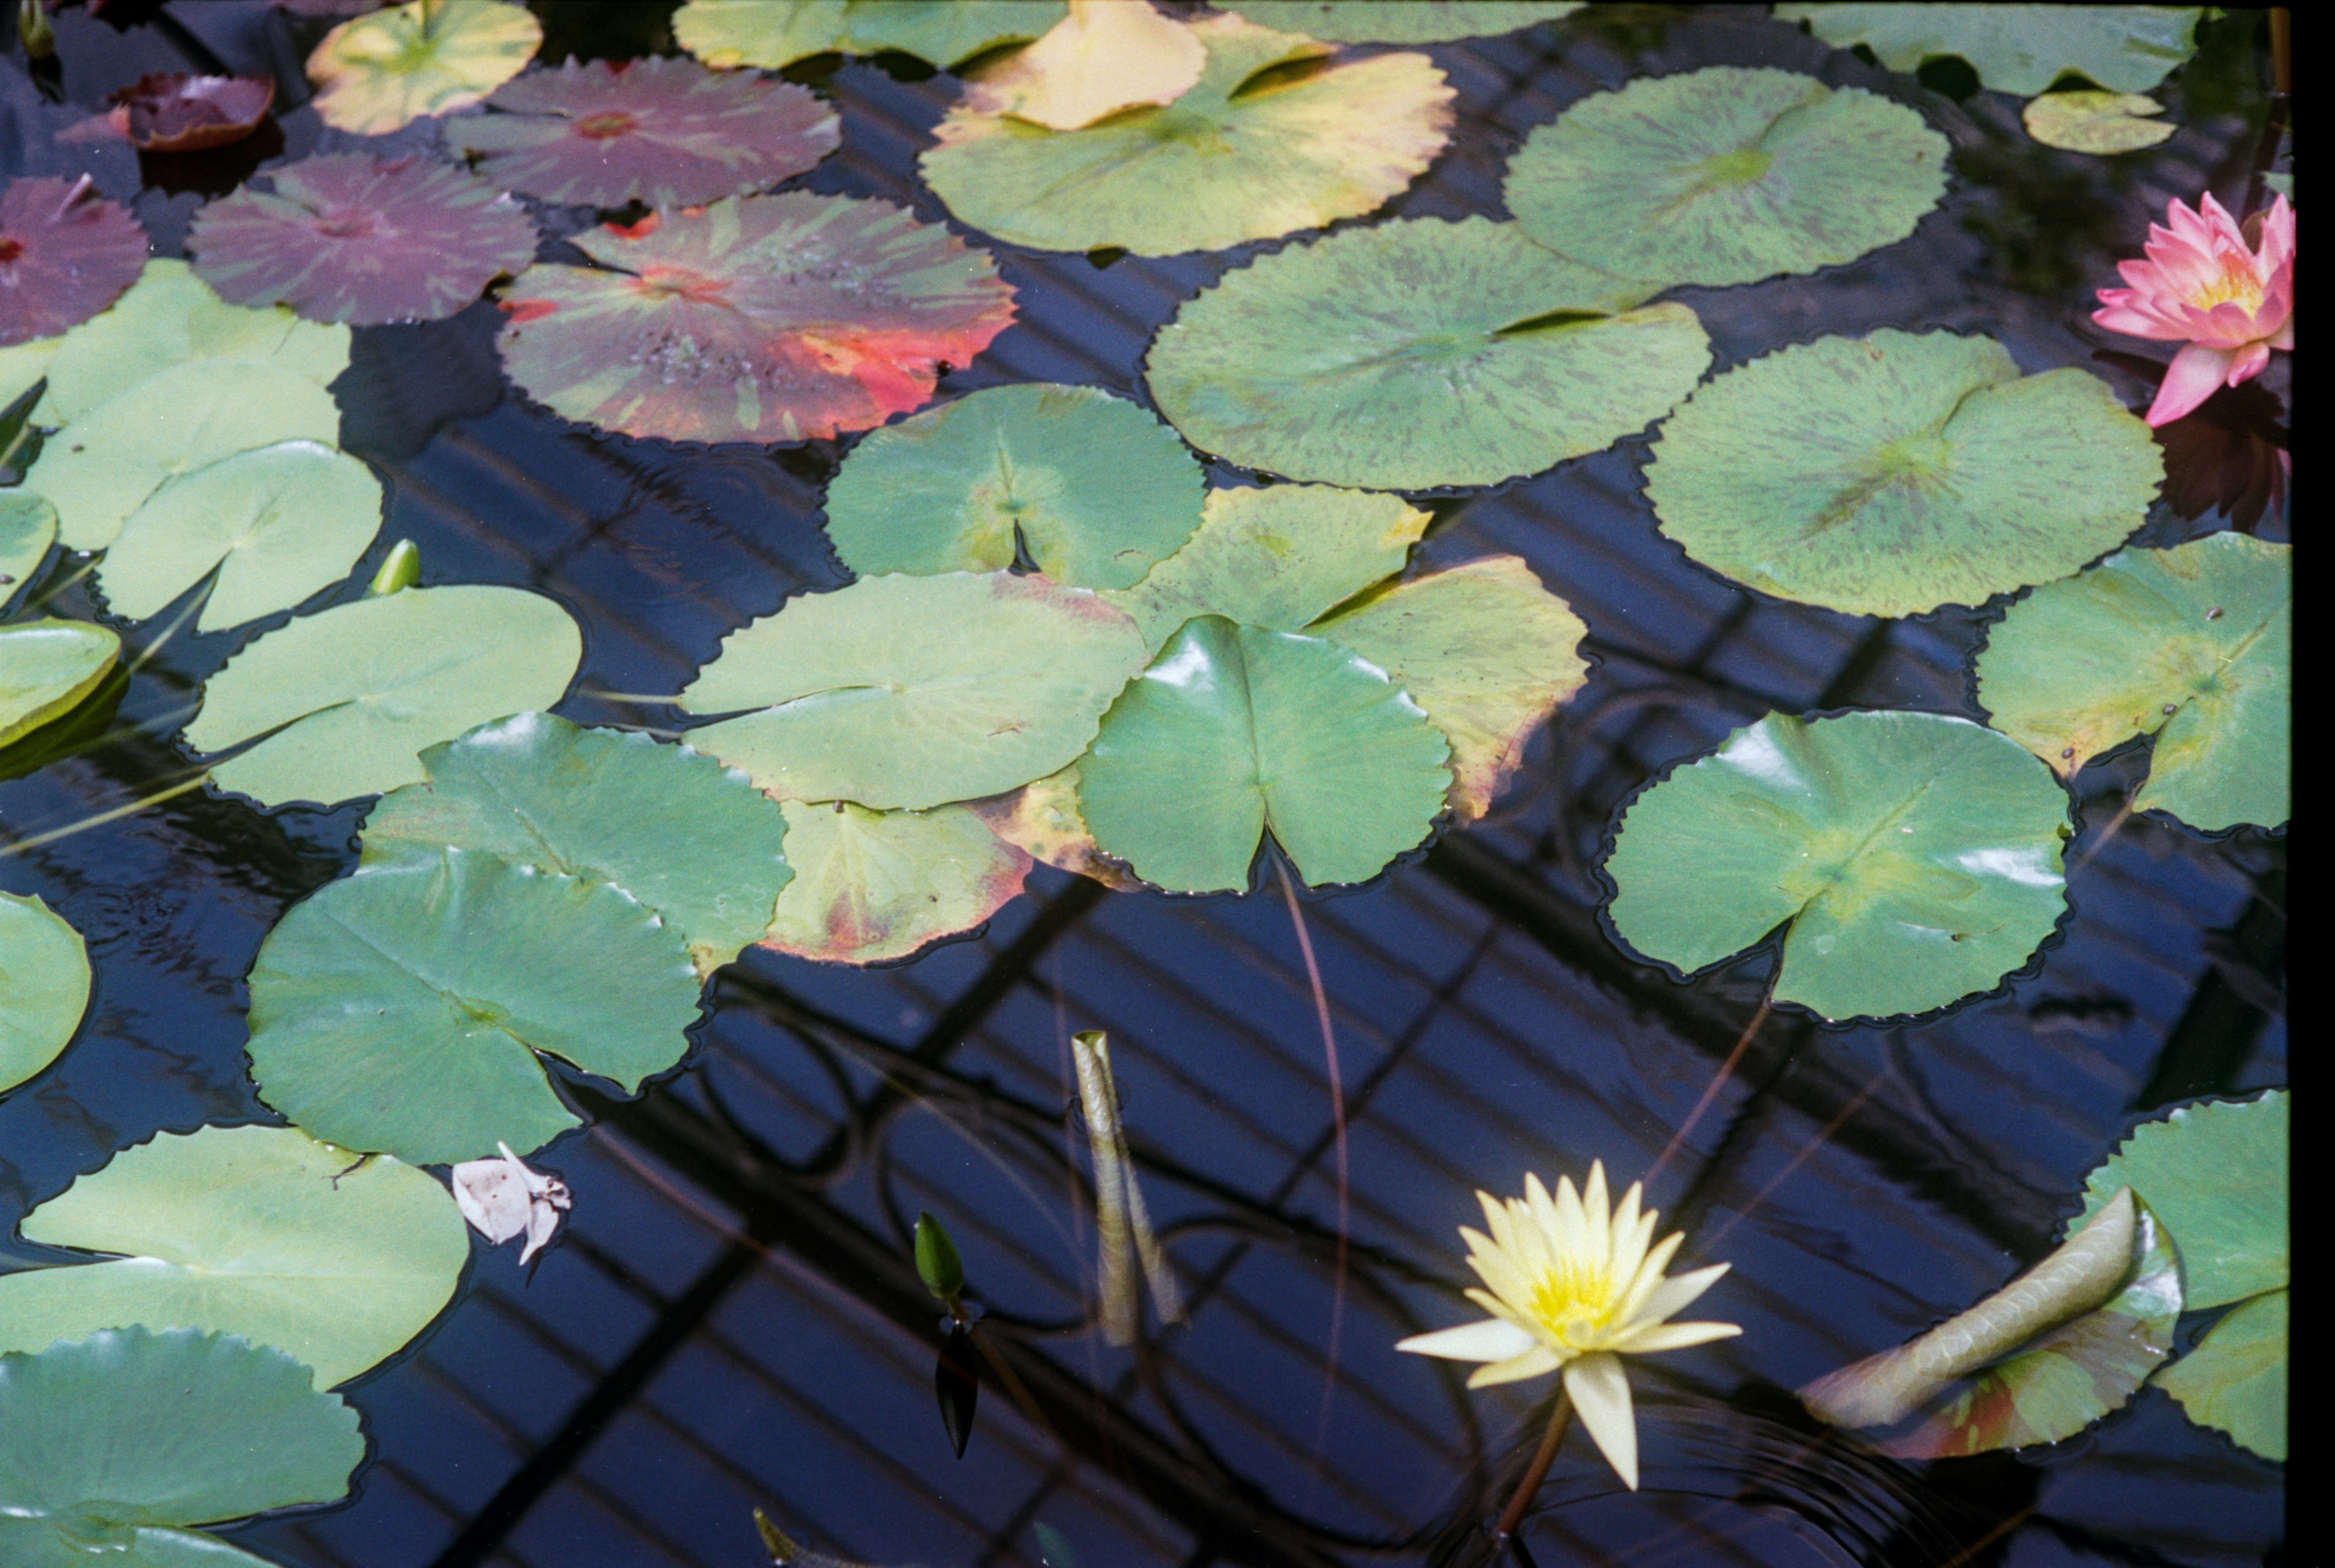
401,570
33,30
936,1260
783,1549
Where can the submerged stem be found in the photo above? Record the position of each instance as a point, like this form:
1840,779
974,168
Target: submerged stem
1726,1070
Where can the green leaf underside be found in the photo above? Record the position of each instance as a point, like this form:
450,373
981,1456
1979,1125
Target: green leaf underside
1378,358
129,1428
690,839
1916,857
1236,729
1278,557
1402,21
2065,1379
2216,1172
49,668
363,687
1485,648
1097,488
2098,122
2194,644
279,522
2235,1378
401,1010
1726,175
1891,474
258,1231
28,527
875,886
109,463
1217,168
2016,48
43,984
770,34
915,692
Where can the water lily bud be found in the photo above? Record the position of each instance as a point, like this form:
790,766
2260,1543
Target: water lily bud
399,570
33,30
936,1261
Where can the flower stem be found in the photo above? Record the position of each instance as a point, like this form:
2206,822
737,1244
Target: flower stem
1559,1416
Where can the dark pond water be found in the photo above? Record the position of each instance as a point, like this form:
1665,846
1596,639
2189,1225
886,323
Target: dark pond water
733,1320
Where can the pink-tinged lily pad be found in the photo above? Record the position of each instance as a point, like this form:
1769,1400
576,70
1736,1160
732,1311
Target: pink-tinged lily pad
759,318
349,236
65,254
171,111
668,132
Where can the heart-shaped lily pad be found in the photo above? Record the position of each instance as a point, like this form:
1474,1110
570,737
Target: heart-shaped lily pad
1726,175
1485,648
258,1231
770,34
2016,48
111,463
1402,21
690,839
760,318
1093,486
915,692
43,984
1235,730
378,71
349,236
2195,645
1248,153
1915,858
878,886
2090,122
1419,354
402,1009
1101,58
28,527
1278,557
667,133
347,698
277,523
1891,474
65,254
111,1445
2235,1380
47,669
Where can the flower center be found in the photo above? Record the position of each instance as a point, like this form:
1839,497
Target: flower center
1574,1303
2239,285
601,127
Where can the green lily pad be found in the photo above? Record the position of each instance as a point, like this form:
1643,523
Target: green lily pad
28,527
915,692
1402,21
1485,648
1891,474
690,839
170,317
1417,353
112,462
2235,1380
1094,486
2217,1173
258,1231
43,987
1240,155
353,694
1235,730
277,523
377,72
1726,175
1278,557
49,668
772,34
878,886
2194,644
401,1010
2016,48
1915,857
108,1442
2101,122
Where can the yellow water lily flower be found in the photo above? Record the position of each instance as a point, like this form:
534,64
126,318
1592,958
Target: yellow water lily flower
1575,1286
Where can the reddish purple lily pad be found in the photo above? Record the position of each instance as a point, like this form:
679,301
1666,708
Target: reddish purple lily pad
171,111
759,318
349,236
667,132
65,254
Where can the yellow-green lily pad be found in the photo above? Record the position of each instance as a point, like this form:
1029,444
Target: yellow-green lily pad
2088,120
47,669
772,34
43,987
28,527
879,886
378,71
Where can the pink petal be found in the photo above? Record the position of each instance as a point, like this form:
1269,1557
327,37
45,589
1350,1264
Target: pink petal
2252,361
2136,323
2278,234
2284,336
2195,374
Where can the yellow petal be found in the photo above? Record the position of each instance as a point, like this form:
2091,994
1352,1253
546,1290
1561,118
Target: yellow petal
1537,1362
1648,1338
1601,1395
1493,1340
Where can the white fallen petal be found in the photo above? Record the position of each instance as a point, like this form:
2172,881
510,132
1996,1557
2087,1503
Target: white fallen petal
494,1196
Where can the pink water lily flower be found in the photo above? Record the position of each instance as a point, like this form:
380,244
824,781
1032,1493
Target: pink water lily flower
2227,303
